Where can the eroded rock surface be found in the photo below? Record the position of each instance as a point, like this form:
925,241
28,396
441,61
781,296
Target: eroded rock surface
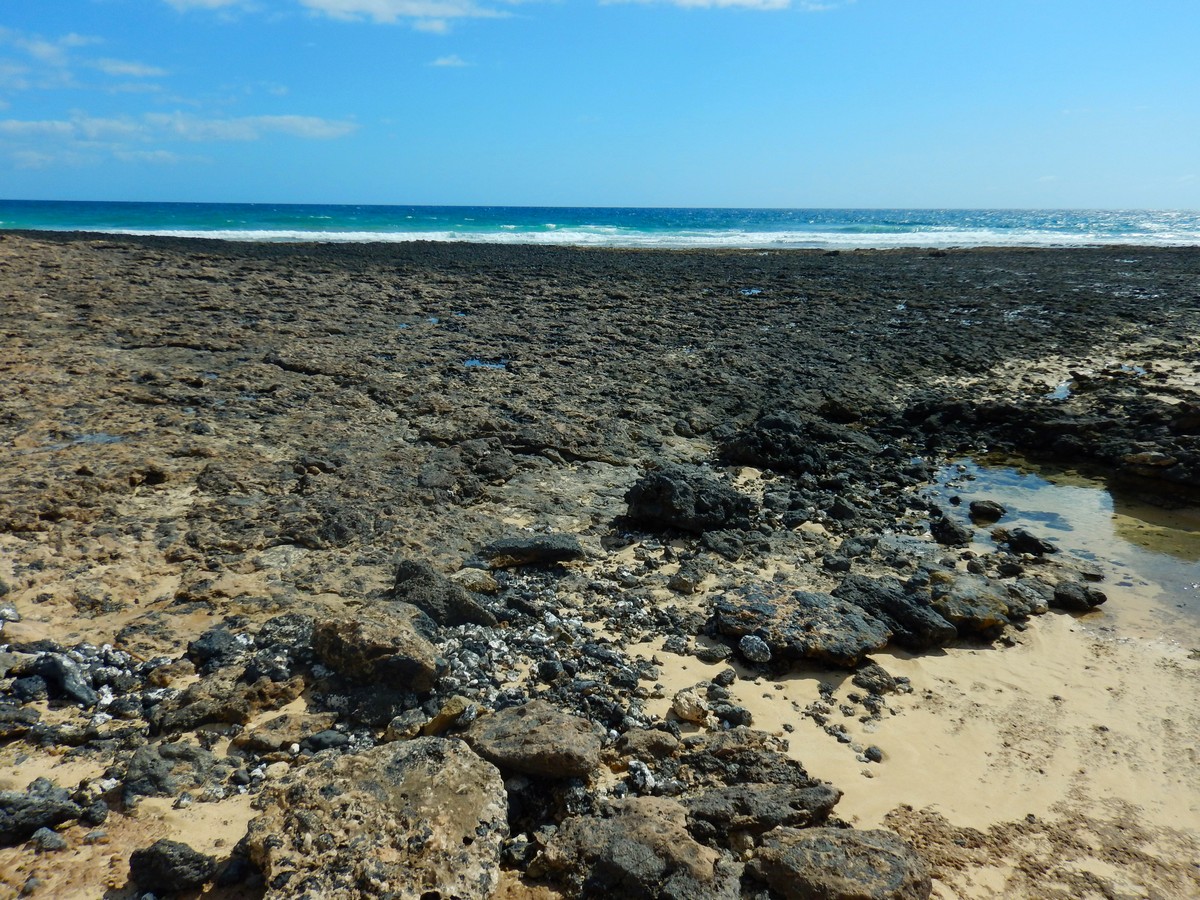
414,818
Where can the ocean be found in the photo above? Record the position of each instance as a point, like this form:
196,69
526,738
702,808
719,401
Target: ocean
617,226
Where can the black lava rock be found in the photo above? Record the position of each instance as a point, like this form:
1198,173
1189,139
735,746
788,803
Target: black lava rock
689,499
168,866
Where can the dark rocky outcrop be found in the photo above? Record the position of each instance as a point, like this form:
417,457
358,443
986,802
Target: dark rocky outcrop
640,850
42,805
840,864
915,624
437,596
168,867
689,499
531,550
801,624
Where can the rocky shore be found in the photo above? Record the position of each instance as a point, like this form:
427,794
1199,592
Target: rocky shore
365,570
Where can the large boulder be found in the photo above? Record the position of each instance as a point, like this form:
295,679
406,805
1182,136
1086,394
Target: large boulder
419,818
390,643
974,604
537,739
640,851
756,808
802,624
840,864
42,805
437,596
915,624
687,498
166,867
531,550
798,442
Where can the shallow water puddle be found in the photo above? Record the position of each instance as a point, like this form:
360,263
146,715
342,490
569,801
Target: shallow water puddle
1145,549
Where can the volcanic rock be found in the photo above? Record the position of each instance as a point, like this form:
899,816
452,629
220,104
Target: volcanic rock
642,850
802,624
419,818
444,601
166,867
689,499
388,643
840,864
537,739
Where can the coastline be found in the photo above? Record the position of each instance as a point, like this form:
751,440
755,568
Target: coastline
207,429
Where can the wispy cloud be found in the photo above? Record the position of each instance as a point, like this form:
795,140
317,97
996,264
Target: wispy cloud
80,138
127,69
762,5
205,4
453,61
427,15
249,128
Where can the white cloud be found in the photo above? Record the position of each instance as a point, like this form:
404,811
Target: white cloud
204,4
762,5
80,139
249,128
451,61
431,15
120,67
35,128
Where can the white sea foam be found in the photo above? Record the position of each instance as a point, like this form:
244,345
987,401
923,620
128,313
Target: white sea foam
613,236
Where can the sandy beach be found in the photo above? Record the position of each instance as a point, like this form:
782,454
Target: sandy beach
677,498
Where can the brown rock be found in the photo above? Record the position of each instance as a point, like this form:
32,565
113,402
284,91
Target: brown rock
416,818
537,739
642,850
385,643
840,864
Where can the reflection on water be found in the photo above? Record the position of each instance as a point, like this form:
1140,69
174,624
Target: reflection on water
1140,547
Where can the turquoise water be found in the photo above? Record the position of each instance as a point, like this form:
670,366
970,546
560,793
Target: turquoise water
617,227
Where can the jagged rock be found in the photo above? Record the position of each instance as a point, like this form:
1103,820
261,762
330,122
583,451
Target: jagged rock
15,721
972,603
477,581
916,625
216,648
840,864
757,808
647,743
166,867
797,443
984,512
436,595
419,818
164,770
1021,541
456,712
280,733
689,499
802,624
531,550
388,643
689,705
642,850
874,678
1076,597
950,532
537,739
222,698
65,678
42,805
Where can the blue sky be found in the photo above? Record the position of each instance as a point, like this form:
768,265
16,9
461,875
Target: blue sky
891,103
